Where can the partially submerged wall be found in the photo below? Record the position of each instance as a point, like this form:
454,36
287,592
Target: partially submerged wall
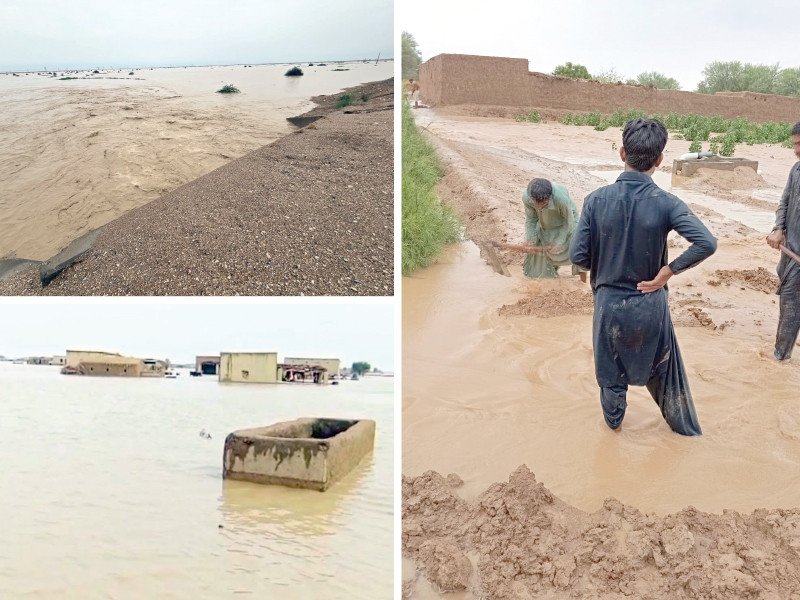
452,79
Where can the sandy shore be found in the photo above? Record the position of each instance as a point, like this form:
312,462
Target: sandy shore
77,154
498,372
309,214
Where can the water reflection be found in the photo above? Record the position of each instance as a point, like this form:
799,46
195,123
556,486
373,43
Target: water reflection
283,511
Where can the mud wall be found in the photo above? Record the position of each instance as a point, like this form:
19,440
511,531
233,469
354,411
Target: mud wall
451,79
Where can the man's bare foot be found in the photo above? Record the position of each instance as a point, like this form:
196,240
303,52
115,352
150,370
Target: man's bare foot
582,275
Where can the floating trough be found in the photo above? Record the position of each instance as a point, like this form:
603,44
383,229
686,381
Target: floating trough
304,453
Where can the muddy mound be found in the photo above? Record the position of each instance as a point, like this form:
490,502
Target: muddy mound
551,303
759,279
526,543
741,178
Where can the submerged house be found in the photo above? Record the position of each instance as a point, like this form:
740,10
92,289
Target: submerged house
93,362
263,367
207,365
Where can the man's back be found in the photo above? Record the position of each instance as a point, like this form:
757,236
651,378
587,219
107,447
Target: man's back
622,233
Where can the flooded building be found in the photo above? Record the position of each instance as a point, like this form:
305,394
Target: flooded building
92,362
332,366
207,365
252,367
263,367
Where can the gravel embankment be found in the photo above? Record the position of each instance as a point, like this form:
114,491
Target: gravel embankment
311,214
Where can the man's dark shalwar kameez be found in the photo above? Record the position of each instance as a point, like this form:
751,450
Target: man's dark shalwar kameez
622,239
788,219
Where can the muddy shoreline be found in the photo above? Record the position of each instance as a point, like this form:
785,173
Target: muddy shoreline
309,214
518,540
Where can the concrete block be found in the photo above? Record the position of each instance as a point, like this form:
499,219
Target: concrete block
688,167
305,453
50,269
303,121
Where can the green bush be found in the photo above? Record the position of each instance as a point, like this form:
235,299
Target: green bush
696,146
725,133
345,100
228,89
531,117
294,72
427,223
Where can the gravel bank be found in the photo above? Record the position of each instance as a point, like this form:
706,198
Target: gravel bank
311,214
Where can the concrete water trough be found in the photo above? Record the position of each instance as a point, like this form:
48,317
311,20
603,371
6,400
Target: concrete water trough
305,453
686,167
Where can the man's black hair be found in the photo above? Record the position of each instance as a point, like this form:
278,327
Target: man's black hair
540,189
796,129
644,140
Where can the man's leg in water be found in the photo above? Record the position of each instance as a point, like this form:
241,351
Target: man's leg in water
614,402
670,389
789,319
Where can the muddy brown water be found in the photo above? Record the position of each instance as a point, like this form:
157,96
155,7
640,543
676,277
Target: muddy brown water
76,154
108,491
498,371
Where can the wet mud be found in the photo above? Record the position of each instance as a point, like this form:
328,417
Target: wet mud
498,372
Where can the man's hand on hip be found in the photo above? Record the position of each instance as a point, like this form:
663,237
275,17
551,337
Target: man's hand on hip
659,282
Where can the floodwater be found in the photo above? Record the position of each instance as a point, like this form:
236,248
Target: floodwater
76,154
484,393
108,491
760,220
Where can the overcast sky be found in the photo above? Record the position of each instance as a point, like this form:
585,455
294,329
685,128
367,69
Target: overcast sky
35,34
181,330
677,38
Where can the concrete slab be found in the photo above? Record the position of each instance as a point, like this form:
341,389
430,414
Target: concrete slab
688,167
50,269
303,121
11,266
305,453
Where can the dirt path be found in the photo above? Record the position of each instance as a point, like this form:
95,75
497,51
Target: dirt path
498,373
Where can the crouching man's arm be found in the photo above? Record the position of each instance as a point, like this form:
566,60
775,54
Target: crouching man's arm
580,248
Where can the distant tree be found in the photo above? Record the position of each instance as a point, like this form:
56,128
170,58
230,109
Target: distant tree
359,368
788,83
760,78
658,80
737,77
609,76
411,57
570,70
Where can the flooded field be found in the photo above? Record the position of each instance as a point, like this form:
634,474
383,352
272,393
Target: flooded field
109,491
498,371
75,154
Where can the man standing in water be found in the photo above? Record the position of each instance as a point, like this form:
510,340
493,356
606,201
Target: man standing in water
550,220
787,232
622,239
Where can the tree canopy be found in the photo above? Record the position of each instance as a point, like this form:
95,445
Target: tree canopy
655,79
411,57
734,76
359,368
570,70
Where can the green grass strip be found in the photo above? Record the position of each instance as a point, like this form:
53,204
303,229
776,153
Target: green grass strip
427,223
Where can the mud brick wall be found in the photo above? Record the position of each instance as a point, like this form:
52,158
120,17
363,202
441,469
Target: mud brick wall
451,79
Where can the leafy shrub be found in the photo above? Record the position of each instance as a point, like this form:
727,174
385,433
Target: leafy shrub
696,146
228,89
294,72
531,117
345,100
